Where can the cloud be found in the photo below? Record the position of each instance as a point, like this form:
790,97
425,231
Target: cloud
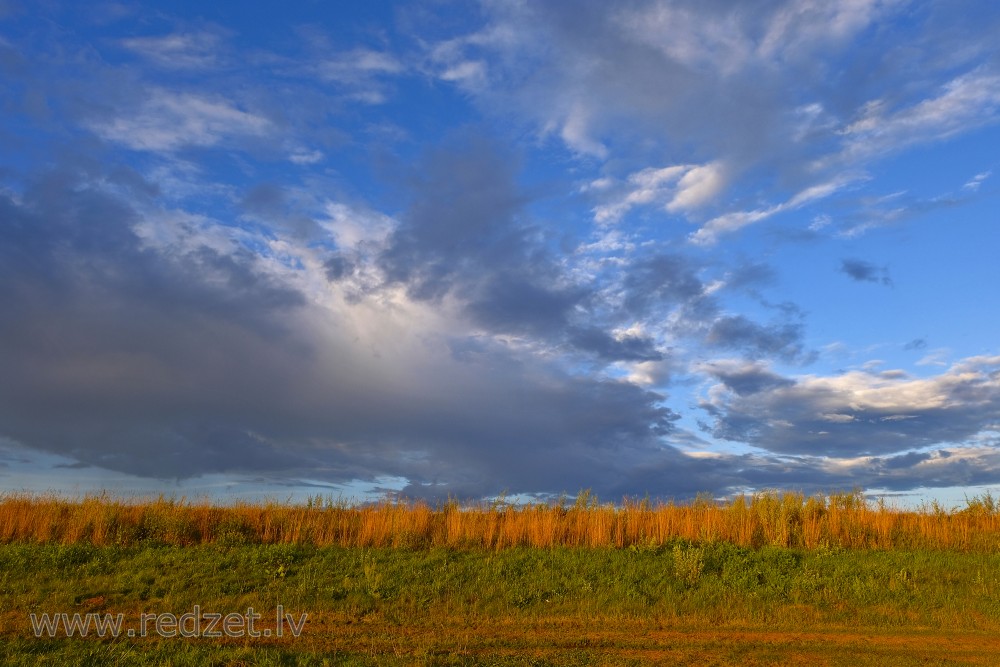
130,336
862,271
361,72
702,37
744,377
177,356
698,186
737,332
728,223
576,133
967,101
751,275
167,121
803,26
181,50
190,358
465,238
353,66
860,413
936,357
664,281
303,156
976,181
625,347
674,188
788,101
646,186
471,73
665,291
874,211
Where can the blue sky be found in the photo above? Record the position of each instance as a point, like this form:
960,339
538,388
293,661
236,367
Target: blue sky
448,248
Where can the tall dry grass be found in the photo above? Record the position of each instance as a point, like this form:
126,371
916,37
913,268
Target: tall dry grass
791,520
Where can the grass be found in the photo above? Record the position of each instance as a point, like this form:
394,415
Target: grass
560,605
455,595
793,520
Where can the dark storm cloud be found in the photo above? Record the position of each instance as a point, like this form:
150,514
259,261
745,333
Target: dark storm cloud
106,344
669,283
269,204
681,477
751,275
464,222
133,182
860,414
625,348
736,332
168,363
665,280
338,266
264,198
508,302
746,378
539,439
466,234
939,468
862,271
904,461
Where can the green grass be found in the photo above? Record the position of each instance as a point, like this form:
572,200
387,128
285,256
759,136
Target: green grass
396,592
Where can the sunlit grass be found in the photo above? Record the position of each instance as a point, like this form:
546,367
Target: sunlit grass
844,520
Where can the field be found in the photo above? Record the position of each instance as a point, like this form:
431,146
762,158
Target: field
762,580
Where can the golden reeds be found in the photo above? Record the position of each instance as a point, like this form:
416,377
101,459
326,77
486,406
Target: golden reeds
844,520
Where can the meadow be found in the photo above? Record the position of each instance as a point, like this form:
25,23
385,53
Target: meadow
755,580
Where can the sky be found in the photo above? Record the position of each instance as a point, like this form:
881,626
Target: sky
461,249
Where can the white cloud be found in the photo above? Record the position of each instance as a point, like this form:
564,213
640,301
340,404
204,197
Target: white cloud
863,391
649,373
697,187
819,222
576,133
469,73
684,80
362,73
728,42
167,121
805,25
964,103
687,37
727,223
837,418
352,226
304,157
936,357
357,65
864,412
602,183
196,50
977,180
676,188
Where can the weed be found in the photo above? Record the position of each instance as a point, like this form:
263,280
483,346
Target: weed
689,563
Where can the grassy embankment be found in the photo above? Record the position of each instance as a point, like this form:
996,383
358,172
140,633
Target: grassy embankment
764,580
